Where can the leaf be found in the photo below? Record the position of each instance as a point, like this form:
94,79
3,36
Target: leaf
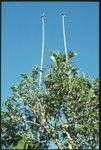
53,59
71,54
13,88
24,76
66,142
21,144
65,125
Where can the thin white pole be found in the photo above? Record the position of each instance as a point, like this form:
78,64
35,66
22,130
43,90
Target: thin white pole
43,39
64,35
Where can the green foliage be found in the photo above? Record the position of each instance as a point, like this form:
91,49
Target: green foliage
64,111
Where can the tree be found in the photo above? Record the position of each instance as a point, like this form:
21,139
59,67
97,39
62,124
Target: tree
64,111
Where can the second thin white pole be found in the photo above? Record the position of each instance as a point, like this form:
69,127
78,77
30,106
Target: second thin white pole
64,36
43,39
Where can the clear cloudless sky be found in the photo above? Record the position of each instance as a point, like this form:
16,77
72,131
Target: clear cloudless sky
21,37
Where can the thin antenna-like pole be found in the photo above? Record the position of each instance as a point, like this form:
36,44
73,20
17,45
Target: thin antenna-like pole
64,35
43,39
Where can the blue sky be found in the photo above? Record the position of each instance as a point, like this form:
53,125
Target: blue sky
21,36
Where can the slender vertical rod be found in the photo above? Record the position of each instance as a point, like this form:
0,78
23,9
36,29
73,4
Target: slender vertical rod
64,35
43,39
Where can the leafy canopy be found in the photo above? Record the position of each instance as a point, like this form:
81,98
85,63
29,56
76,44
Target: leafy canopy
64,111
